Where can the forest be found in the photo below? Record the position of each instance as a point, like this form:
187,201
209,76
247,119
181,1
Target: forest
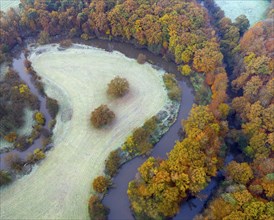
231,67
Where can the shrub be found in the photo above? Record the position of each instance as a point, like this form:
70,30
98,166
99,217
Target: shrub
66,43
85,37
186,70
37,155
5,177
141,59
174,91
97,210
112,163
139,142
40,87
46,142
144,148
52,123
43,37
2,58
100,184
36,131
45,132
21,143
174,94
11,137
73,32
140,135
102,116
169,80
13,161
27,64
39,118
151,124
52,106
118,87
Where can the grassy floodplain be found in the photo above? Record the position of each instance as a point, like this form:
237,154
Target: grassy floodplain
253,9
59,187
7,4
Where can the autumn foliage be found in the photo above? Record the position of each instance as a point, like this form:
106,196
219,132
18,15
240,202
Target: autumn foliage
118,87
181,31
96,209
100,184
102,116
164,184
248,190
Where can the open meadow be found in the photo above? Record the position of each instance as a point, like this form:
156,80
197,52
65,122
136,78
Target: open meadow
253,9
7,4
59,187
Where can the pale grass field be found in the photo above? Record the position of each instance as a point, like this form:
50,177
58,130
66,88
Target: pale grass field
60,186
253,9
7,4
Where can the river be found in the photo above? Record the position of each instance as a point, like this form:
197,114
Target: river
18,66
117,199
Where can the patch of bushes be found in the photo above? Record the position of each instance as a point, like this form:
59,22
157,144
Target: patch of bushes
39,86
11,137
174,91
45,132
5,177
27,64
66,43
203,91
52,106
35,132
118,87
43,37
13,161
141,59
46,142
36,156
151,124
139,142
39,118
97,210
21,143
52,123
102,116
185,70
100,184
112,163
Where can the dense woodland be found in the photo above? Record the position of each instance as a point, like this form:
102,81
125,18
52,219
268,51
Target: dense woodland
248,189
204,45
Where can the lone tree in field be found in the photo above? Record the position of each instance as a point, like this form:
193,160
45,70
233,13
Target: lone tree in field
102,116
118,87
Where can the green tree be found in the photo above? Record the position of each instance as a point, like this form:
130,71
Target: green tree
242,23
